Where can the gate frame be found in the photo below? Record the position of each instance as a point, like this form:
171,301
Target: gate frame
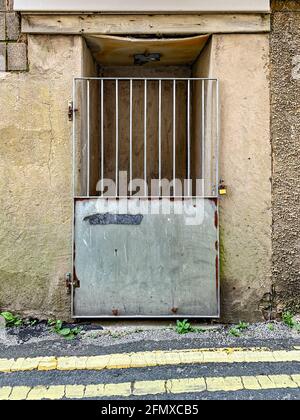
216,198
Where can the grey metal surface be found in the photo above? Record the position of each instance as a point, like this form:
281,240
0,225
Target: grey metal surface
165,266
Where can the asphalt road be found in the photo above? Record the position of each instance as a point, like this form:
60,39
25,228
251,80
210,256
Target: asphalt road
58,347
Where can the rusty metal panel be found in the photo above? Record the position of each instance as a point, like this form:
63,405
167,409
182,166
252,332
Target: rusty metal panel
136,264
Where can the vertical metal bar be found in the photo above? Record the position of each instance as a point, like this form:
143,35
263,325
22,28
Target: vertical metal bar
189,136
145,135
217,135
74,171
130,134
117,137
203,135
159,135
217,182
174,138
88,140
102,136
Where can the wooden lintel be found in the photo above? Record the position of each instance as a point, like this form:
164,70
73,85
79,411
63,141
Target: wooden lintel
144,24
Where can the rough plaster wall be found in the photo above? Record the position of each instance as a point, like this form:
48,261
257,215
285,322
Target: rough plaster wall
241,62
285,108
35,178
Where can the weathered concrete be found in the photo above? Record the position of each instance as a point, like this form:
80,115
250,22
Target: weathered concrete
10,4
12,26
2,27
6,5
35,178
2,56
241,62
285,5
17,56
285,108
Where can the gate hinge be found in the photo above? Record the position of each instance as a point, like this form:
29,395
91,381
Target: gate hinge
71,110
70,281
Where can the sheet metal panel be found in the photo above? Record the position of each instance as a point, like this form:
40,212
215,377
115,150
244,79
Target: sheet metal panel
161,265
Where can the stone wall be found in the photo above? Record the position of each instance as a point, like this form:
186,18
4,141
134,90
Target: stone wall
285,123
13,45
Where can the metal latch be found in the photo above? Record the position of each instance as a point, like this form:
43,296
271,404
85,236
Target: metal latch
71,110
71,282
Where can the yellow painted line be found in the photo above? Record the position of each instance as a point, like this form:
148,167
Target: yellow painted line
157,387
149,359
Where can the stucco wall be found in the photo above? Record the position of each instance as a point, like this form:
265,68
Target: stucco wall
285,108
241,62
35,178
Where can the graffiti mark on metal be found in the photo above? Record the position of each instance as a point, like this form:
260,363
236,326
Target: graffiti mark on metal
114,219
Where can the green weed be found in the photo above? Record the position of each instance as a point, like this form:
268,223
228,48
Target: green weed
185,327
288,319
242,326
11,320
235,332
67,333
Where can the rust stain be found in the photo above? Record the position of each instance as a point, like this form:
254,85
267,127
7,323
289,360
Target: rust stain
216,219
76,280
217,273
81,199
115,312
174,310
214,200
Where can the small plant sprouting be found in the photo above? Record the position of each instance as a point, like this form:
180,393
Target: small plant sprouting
235,332
68,333
199,330
115,335
271,327
288,319
297,327
242,326
11,320
183,327
33,322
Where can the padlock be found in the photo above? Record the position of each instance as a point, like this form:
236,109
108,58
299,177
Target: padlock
222,190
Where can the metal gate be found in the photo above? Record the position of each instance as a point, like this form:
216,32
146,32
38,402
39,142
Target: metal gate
145,174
